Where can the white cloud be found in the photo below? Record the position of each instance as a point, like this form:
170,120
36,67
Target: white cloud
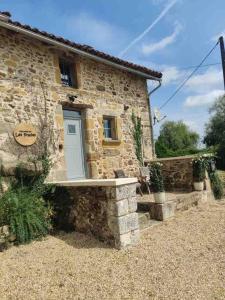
172,75
212,79
203,99
98,33
164,12
162,44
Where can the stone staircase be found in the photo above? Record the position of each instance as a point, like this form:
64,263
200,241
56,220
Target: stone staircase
151,213
145,221
144,216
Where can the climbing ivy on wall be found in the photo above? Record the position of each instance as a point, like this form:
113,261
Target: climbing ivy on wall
137,135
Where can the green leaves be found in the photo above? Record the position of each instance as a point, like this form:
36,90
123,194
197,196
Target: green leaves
200,165
22,207
27,215
217,185
137,135
156,178
176,139
215,130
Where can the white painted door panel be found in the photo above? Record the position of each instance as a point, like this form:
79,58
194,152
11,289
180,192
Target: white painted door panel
73,147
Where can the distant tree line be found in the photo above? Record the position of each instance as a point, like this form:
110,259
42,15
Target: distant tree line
177,139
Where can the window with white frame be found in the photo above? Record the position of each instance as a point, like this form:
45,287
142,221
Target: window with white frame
109,125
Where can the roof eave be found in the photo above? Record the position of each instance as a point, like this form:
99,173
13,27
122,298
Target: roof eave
75,50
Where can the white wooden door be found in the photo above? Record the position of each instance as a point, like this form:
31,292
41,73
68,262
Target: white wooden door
73,145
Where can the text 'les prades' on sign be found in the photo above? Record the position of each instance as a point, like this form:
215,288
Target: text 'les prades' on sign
25,134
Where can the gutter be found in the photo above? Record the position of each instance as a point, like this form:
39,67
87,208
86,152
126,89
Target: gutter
156,88
74,50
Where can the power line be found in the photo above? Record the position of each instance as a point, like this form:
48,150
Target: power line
188,78
203,66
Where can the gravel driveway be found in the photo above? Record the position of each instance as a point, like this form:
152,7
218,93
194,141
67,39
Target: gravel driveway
183,258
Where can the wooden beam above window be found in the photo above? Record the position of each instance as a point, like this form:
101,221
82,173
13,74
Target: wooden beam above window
75,106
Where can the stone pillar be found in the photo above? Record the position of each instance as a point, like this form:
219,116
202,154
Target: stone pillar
122,216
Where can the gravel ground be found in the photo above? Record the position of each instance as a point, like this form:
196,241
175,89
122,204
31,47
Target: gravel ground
183,258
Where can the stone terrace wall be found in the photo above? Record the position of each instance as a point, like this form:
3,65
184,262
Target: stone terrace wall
109,213
24,62
178,173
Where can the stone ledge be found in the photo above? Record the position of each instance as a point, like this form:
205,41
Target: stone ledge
95,182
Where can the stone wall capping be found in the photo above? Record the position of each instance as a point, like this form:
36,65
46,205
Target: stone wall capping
173,158
95,182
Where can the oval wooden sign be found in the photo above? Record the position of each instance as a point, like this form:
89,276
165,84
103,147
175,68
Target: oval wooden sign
25,134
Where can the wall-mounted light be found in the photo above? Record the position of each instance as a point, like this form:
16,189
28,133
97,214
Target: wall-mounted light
72,98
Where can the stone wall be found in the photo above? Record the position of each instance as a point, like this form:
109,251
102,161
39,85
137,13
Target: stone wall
177,173
185,202
30,86
108,213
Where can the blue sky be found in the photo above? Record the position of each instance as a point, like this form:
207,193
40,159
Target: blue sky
181,38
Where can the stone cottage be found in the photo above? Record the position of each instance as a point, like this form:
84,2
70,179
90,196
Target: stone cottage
86,95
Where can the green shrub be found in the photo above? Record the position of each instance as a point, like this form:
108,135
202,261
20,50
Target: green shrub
163,152
23,208
156,178
199,168
217,185
26,213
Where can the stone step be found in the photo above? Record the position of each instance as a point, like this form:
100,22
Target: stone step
143,206
146,207
145,221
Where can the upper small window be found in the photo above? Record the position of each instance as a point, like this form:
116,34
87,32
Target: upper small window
67,70
109,128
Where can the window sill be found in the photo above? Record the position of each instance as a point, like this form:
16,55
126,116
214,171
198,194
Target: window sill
69,87
109,142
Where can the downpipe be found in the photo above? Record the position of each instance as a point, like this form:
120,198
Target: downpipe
150,117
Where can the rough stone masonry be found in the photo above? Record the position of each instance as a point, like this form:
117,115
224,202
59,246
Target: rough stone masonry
108,212
30,85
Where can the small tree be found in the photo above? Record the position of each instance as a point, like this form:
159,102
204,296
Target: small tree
215,130
176,138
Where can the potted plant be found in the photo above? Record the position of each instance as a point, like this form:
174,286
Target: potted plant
199,172
156,182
